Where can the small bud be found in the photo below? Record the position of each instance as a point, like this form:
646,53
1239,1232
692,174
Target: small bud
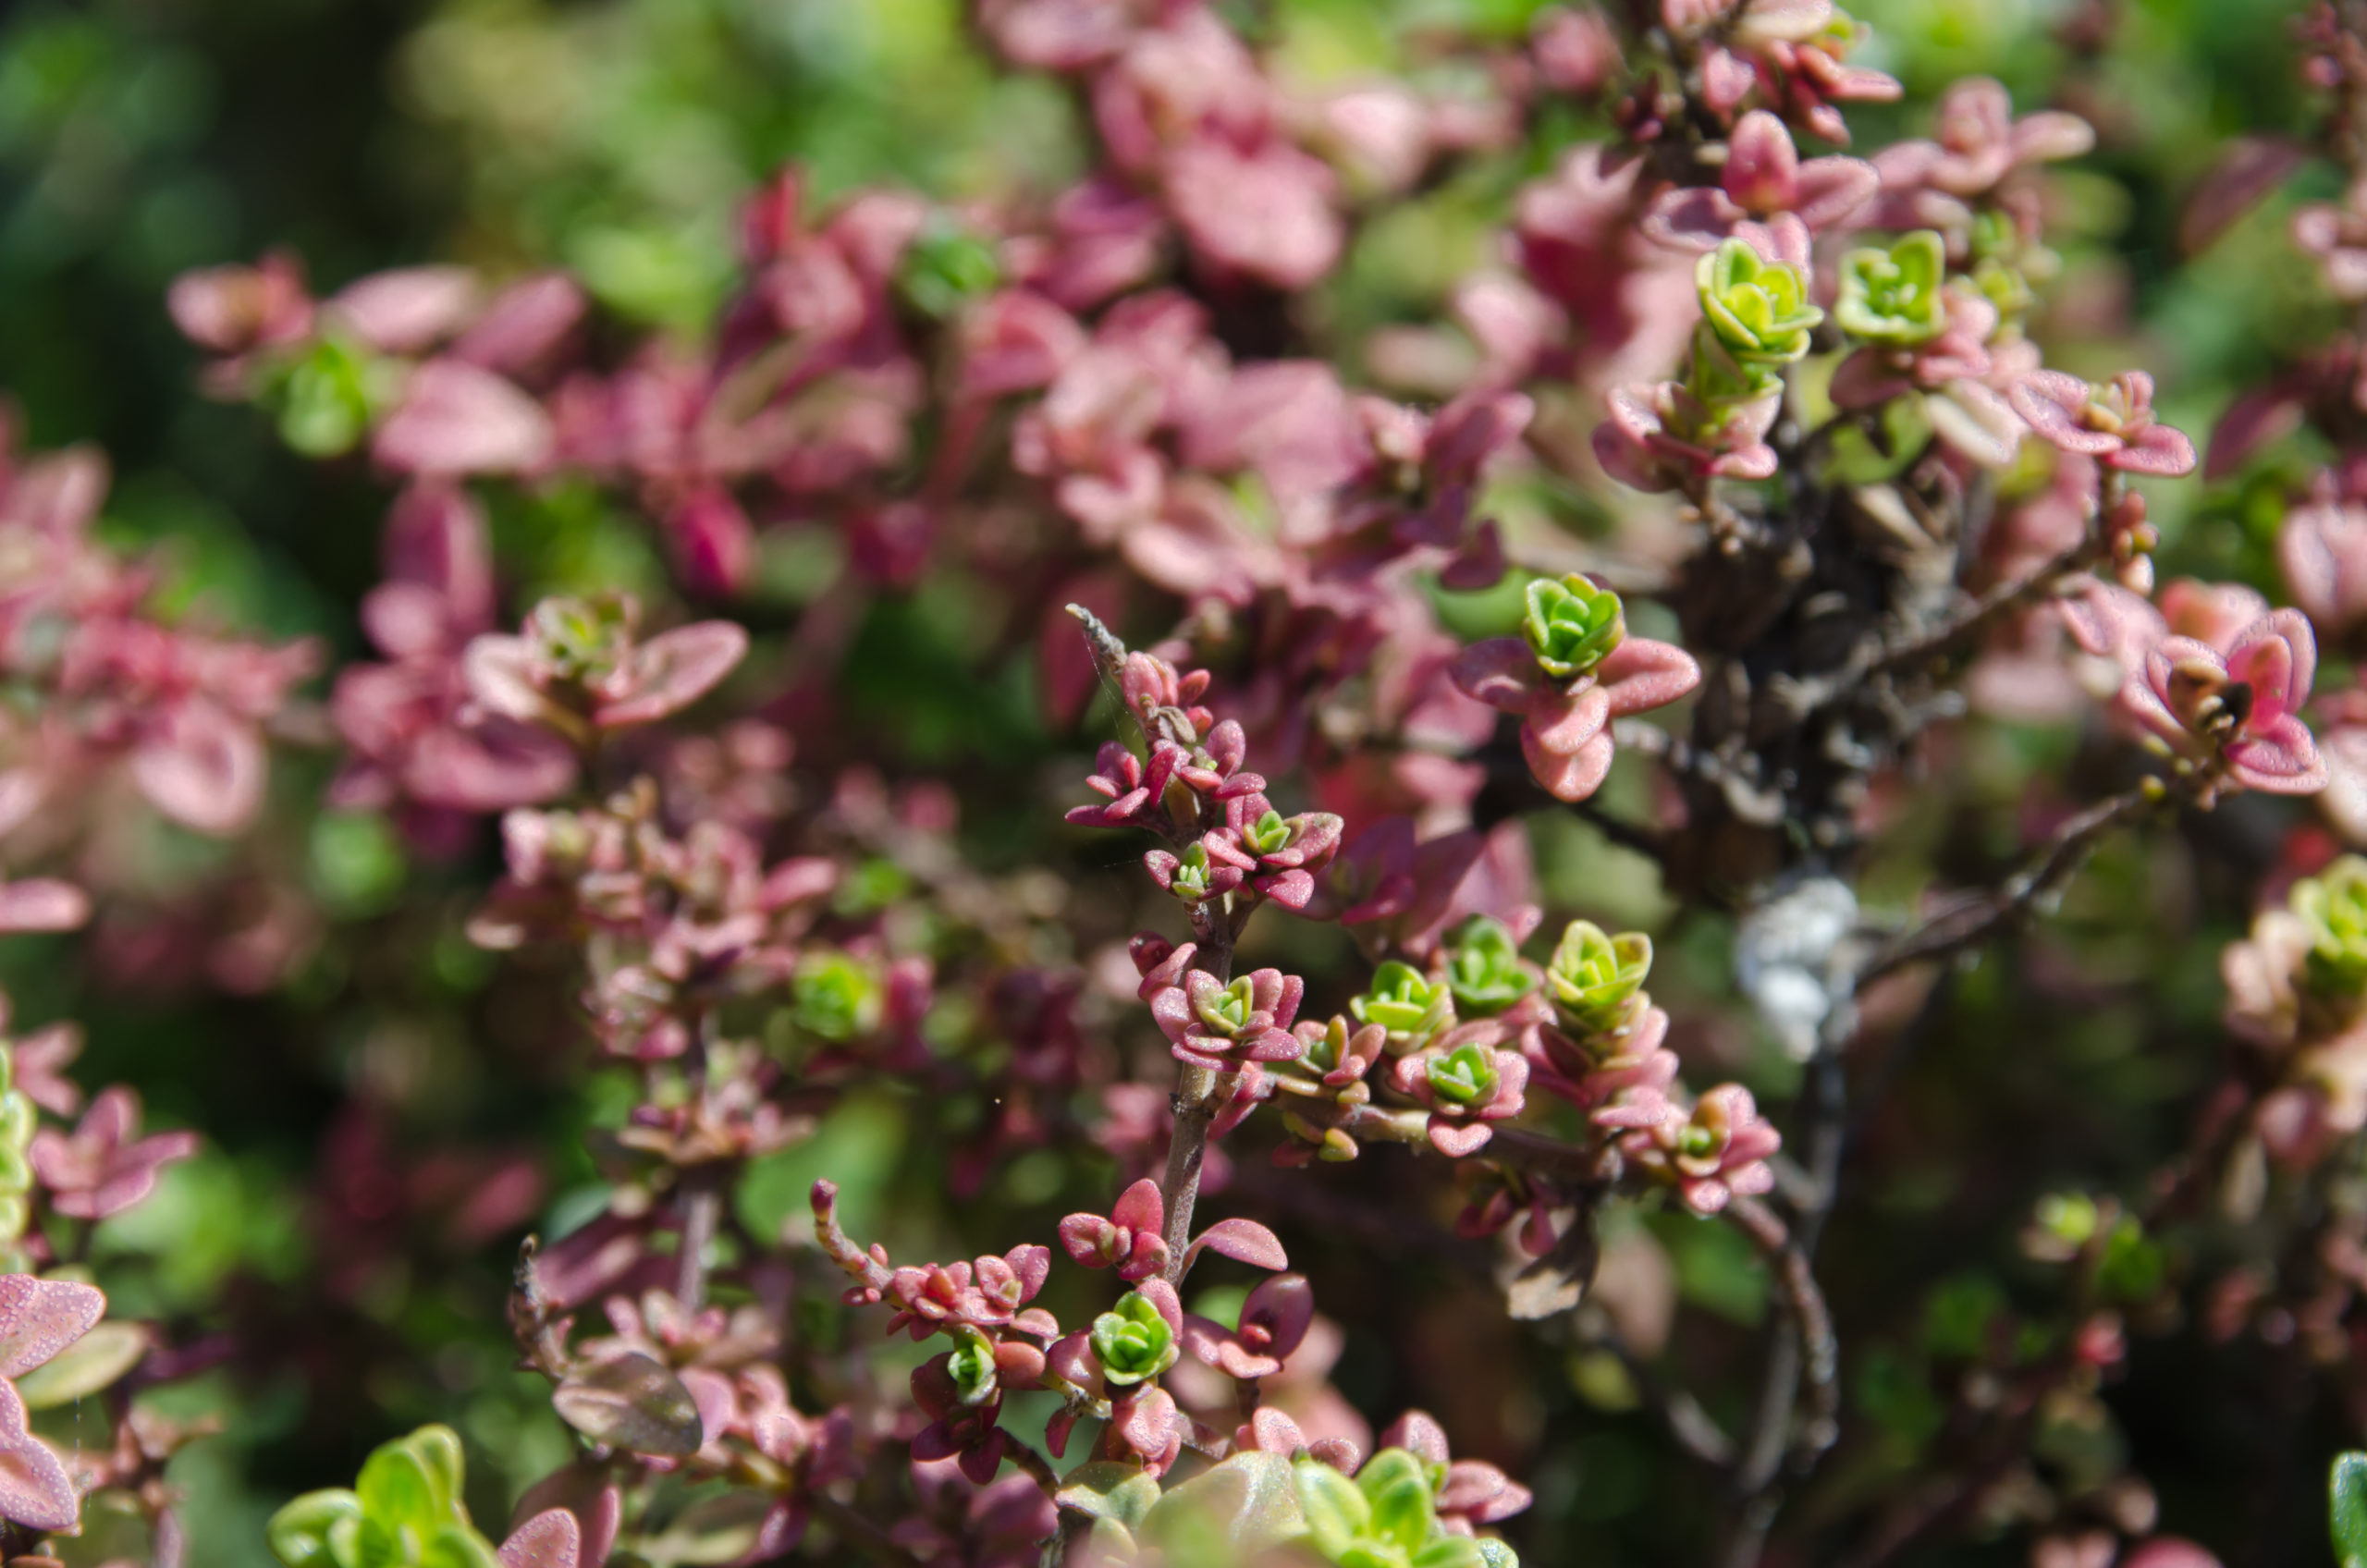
1405,1002
1894,297
1132,1342
1597,977
834,997
1484,969
1758,310
1572,625
2333,909
1464,1076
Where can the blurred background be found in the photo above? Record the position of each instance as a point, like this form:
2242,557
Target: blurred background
139,138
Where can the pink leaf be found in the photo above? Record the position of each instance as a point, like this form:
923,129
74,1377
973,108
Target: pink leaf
1140,1207
674,669
1292,890
1501,672
500,669
1161,1294
1641,673
41,903
1149,1422
550,1540
407,310
1571,776
201,767
34,1489
455,418
1457,1140
1243,1241
523,326
581,1490
40,1317
1561,724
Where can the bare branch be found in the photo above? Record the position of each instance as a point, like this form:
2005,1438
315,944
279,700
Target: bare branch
1972,919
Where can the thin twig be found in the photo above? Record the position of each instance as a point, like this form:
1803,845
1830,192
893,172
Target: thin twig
1811,1322
1809,1346
1197,1090
1626,834
1695,1429
1981,613
701,1194
1972,919
1886,656
1751,799
1038,1468
860,1531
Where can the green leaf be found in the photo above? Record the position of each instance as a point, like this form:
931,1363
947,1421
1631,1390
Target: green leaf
1105,1489
1451,1552
2332,910
397,1490
1109,1541
299,1533
376,1544
438,1451
1398,1487
83,1368
1335,1510
2348,1502
1250,1497
459,1545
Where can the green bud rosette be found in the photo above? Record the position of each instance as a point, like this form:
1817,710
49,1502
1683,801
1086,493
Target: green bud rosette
1132,1342
1572,625
404,1511
1405,1001
1227,1011
1191,882
1759,311
1386,1518
1466,1075
945,268
1596,978
2332,907
582,640
972,1366
1894,297
325,400
1268,834
1484,970
835,997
